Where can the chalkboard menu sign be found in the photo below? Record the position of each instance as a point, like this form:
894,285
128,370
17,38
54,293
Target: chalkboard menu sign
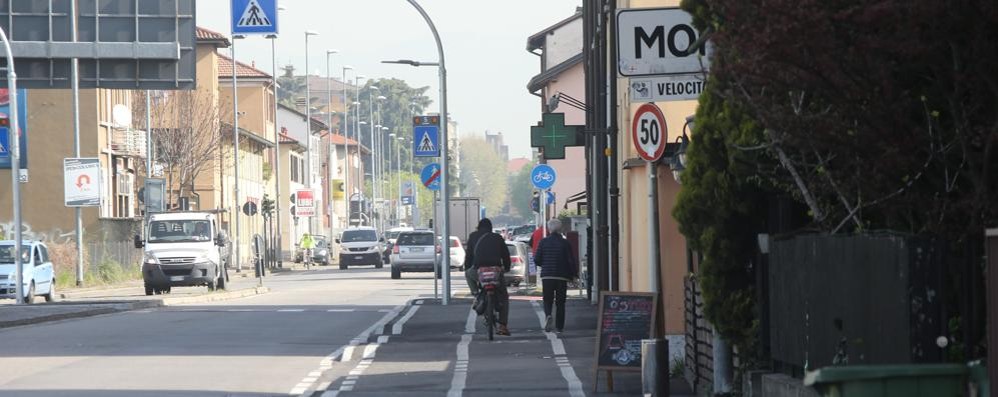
625,318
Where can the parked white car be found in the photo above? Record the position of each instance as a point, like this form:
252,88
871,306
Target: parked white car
456,252
37,272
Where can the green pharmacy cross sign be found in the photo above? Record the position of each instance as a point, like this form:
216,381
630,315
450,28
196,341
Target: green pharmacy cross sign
553,135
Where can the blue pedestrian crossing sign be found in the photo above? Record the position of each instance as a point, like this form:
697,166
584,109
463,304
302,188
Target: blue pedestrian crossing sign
4,143
254,16
426,136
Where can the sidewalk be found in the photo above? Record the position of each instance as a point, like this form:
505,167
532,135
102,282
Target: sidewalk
86,302
423,353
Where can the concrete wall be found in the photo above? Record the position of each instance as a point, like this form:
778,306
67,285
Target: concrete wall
565,42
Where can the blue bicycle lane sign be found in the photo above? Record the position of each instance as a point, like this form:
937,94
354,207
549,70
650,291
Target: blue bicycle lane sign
543,176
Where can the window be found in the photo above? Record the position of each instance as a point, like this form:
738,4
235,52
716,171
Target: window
351,236
45,253
38,256
179,231
295,169
424,239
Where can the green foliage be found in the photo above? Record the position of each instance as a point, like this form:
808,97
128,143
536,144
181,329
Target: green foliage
105,273
521,191
484,174
719,212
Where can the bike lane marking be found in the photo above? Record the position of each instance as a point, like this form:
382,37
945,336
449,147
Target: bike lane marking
397,327
558,348
342,352
460,379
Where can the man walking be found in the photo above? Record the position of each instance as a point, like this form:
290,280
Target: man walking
558,267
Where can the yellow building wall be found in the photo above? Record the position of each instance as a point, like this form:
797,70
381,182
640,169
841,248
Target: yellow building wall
50,140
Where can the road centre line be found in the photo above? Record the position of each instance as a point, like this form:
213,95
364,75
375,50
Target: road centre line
567,372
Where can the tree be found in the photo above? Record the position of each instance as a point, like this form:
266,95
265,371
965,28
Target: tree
878,114
521,191
483,173
187,135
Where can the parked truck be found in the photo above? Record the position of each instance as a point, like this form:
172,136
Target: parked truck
465,212
183,249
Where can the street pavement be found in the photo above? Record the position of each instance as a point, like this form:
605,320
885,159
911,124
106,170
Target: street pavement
325,332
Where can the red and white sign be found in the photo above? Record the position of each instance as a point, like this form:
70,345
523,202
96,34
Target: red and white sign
649,132
81,182
304,202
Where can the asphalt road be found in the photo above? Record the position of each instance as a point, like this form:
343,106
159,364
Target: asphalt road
272,344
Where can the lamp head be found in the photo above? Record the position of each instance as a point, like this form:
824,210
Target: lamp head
331,52
347,67
311,33
381,97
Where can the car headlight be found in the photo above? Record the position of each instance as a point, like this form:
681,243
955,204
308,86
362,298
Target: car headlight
150,260
202,259
323,252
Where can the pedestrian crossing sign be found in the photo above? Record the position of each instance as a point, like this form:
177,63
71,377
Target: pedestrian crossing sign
427,141
254,16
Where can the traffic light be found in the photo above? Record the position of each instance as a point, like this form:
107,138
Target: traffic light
267,206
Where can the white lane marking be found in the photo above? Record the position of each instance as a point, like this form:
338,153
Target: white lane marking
291,310
460,379
567,372
419,302
369,351
340,310
331,393
345,351
241,310
397,327
324,385
314,374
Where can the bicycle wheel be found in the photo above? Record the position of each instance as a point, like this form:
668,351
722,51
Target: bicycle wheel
490,315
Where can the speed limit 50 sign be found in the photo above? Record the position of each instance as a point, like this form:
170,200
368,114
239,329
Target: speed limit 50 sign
649,132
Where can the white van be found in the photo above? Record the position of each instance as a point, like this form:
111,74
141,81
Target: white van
183,249
360,246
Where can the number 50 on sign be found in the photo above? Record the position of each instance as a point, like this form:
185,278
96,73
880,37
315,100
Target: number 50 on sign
649,132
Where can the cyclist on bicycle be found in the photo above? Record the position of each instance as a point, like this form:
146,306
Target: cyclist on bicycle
307,243
486,248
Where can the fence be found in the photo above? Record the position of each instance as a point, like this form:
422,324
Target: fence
865,299
699,365
122,253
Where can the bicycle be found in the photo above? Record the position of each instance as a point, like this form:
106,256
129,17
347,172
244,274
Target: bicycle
489,278
543,176
307,258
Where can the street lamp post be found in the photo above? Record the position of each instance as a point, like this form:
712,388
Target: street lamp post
235,156
15,168
374,153
398,171
360,152
391,139
346,145
444,162
277,145
308,127
331,157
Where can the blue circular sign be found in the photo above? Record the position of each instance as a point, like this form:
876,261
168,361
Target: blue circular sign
543,176
430,176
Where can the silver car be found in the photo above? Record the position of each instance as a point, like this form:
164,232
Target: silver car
414,251
518,266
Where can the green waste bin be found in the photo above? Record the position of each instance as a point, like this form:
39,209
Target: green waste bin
930,380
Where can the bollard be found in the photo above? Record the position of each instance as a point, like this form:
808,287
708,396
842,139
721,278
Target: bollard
654,368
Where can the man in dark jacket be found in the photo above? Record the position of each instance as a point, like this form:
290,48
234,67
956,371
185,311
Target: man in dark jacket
486,248
558,267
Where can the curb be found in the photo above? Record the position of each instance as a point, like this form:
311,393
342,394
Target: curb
120,306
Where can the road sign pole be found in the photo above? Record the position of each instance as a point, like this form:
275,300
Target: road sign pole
235,158
15,166
445,176
75,76
653,252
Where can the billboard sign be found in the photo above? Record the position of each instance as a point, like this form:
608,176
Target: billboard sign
22,121
123,44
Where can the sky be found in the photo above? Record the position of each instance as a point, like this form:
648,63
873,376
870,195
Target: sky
485,45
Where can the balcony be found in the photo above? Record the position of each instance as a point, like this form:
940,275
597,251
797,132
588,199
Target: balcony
128,142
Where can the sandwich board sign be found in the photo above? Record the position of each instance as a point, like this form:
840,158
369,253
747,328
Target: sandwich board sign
254,16
81,182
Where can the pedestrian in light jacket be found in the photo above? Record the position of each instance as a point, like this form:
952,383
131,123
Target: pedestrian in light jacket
558,267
